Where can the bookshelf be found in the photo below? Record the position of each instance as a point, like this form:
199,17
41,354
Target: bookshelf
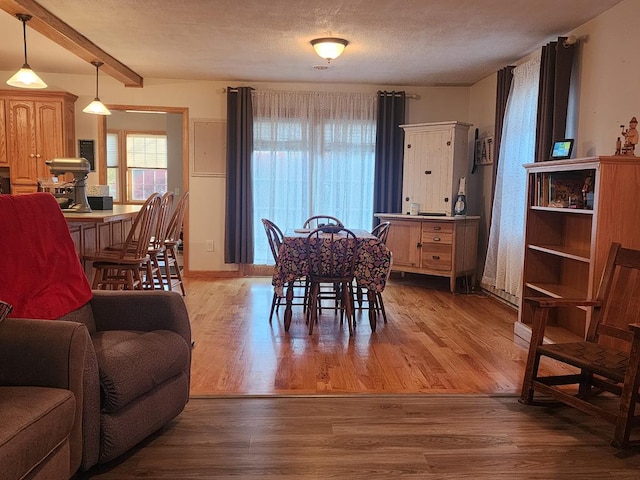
575,209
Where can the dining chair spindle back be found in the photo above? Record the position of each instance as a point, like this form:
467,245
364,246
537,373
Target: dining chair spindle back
115,268
331,258
317,221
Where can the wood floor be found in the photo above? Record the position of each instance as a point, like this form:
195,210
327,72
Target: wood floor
434,342
375,438
430,395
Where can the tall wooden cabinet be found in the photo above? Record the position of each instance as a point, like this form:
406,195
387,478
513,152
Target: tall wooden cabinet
436,156
37,126
575,210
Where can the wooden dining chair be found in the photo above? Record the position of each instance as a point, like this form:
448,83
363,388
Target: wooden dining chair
168,258
317,221
275,237
606,364
120,267
382,231
331,258
370,301
362,300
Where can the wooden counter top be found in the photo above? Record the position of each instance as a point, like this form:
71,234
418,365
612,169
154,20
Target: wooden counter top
119,212
418,218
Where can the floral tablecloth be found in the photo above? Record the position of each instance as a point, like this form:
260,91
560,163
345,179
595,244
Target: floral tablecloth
372,265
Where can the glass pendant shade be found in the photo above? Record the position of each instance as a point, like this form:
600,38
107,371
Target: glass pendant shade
329,48
96,107
25,77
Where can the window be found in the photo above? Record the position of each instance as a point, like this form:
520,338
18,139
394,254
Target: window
314,153
113,163
136,165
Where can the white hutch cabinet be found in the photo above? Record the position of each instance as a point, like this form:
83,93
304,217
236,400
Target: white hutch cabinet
436,156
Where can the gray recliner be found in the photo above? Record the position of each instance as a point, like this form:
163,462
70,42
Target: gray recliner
139,370
136,369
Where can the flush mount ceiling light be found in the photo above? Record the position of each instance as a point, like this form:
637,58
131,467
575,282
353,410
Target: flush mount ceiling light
25,77
329,48
97,107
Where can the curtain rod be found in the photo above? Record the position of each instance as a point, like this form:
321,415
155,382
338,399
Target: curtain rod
397,94
408,95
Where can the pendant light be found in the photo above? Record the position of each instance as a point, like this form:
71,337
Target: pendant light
25,77
97,107
329,48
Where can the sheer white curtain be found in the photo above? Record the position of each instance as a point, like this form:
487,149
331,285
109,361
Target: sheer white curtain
503,265
313,154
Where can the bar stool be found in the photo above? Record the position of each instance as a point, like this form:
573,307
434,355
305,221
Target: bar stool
120,267
168,258
154,274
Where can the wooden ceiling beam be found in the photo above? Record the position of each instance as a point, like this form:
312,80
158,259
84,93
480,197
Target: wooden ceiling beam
44,22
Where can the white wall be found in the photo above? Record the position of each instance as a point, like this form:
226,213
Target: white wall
607,83
607,97
482,111
207,100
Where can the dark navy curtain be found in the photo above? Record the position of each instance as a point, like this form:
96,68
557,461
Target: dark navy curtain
556,64
387,188
238,244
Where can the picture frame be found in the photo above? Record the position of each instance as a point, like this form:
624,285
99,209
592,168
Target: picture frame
561,149
484,150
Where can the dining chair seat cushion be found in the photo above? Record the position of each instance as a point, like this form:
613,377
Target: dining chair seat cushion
132,363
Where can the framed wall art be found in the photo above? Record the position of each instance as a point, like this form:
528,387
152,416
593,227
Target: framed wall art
484,150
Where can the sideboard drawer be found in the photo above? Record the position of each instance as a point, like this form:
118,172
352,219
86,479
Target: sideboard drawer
437,238
437,227
436,257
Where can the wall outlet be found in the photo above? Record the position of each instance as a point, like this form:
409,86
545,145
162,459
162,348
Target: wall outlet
209,245
176,191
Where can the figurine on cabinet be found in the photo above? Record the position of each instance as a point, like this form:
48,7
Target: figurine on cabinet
630,137
587,193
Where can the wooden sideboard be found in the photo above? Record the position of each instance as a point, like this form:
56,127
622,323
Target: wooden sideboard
94,231
433,245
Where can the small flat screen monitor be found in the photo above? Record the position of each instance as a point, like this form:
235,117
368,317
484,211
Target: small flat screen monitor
562,149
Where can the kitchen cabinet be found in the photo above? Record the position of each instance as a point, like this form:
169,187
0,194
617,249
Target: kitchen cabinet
4,160
440,246
436,156
38,126
575,210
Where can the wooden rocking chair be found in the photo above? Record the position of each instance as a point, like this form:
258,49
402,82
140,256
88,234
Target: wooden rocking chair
607,361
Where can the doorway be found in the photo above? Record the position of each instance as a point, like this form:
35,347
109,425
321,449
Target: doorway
175,121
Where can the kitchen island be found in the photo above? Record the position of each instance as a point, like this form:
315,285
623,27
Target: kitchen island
99,229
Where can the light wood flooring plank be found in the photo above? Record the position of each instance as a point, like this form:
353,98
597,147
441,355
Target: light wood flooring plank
434,342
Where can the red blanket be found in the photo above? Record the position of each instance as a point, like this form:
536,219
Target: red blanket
40,273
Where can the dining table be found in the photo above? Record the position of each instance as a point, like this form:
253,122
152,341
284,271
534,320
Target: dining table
373,264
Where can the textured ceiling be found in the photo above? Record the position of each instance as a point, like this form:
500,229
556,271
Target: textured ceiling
392,42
